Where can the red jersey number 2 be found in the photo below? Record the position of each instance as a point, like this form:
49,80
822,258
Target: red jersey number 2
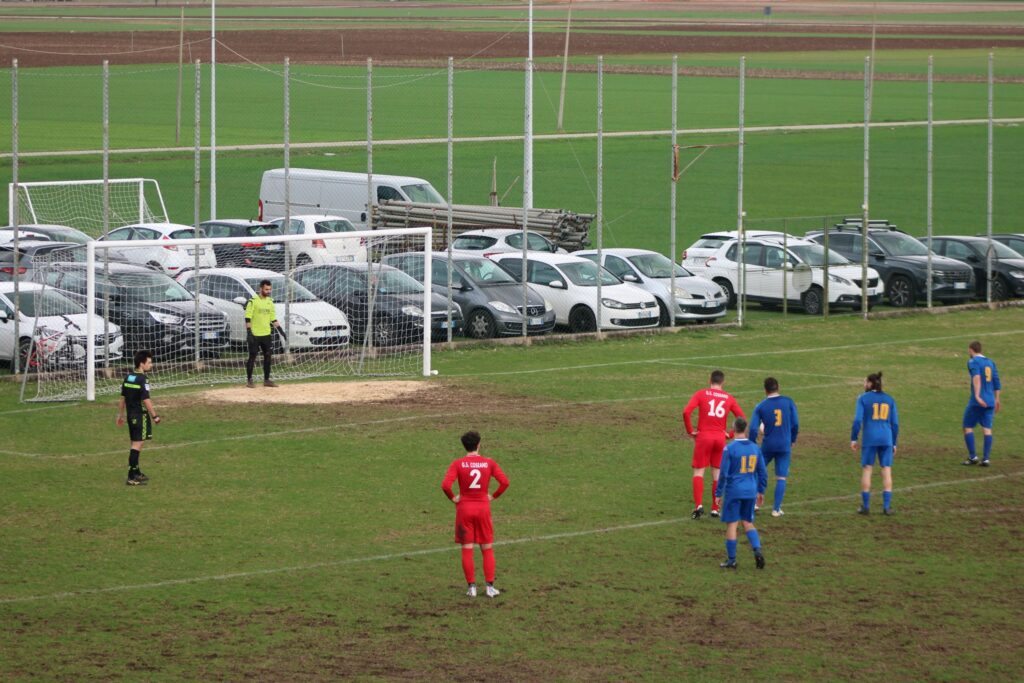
475,475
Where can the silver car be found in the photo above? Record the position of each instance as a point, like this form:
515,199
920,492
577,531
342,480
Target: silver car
696,298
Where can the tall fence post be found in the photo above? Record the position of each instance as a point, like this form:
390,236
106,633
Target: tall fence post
15,201
671,303
930,180
741,299
988,196
106,207
451,165
864,203
527,179
197,143
287,115
600,190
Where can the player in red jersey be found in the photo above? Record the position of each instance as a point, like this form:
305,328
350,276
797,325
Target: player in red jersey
712,406
473,508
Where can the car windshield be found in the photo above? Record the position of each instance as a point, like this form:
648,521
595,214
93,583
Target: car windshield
394,281
46,302
657,266
814,255
334,225
898,244
584,274
149,287
423,193
485,272
68,235
999,250
473,242
278,292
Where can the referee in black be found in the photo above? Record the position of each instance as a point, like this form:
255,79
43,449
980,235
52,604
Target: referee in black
142,415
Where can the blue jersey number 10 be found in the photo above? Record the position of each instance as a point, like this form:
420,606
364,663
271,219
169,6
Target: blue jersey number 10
879,411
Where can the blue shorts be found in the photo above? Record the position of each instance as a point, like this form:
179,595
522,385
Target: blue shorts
868,454
975,415
738,510
781,459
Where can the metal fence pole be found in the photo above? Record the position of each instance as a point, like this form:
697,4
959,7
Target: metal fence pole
197,181
929,197
213,110
106,208
287,115
369,145
600,188
988,196
671,303
451,164
15,201
824,225
741,302
864,204
785,267
527,185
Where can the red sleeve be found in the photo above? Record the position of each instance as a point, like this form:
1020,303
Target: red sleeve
687,411
449,479
502,480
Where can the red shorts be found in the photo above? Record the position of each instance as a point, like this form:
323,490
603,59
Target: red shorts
708,450
473,523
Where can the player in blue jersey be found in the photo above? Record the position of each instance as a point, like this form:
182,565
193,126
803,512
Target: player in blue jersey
741,486
983,404
777,416
876,411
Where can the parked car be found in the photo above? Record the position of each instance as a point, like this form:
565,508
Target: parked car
397,299
499,240
1014,240
311,323
1007,264
51,329
170,259
491,300
153,311
56,233
902,263
33,254
696,297
708,243
321,250
254,254
570,284
794,273
24,233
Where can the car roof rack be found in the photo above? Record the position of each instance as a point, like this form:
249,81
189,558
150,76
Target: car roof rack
856,223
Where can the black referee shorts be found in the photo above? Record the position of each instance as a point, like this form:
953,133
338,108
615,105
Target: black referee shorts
140,427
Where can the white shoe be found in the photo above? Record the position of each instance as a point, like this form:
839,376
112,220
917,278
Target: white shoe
777,513
493,592
757,508
472,590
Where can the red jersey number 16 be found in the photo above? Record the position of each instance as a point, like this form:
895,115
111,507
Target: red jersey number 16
716,408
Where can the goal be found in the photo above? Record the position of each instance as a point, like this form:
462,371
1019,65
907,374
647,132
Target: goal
79,203
341,313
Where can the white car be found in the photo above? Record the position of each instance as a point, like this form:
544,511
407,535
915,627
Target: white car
708,243
501,240
59,327
320,251
796,271
311,323
696,297
570,284
170,259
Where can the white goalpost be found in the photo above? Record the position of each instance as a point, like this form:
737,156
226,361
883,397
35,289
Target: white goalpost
79,203
342,313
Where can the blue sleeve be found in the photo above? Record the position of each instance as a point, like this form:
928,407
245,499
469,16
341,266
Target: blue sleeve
755,423
762,473
995,379
894,423
723,476
858,417
794,428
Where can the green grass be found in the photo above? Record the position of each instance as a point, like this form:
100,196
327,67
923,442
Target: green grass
256,555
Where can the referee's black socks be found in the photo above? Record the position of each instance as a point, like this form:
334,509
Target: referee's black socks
133,461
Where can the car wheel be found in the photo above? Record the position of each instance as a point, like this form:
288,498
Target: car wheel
900,291
581,319
29,360
664,317
812,300
1000,291
480,325
384,331
730,293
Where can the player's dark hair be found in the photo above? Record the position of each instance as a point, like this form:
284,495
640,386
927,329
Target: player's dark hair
142,356
264,283
471,441
771,385
975,346
717,377
875,380
739,425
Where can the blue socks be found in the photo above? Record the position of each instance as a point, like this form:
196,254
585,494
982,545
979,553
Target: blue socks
988,446
755,541
886,499
780,491
730,550
865,499
969,441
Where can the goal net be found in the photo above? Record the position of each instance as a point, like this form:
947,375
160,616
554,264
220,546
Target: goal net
79,203
341,312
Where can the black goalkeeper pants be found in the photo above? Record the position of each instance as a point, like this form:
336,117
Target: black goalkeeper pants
256,345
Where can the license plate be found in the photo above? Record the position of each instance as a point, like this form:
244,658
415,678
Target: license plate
346,259
710,304
211,335
444,324
646,314
536,321
959,285
191,252
274,247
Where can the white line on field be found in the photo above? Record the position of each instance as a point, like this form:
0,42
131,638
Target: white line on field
434,551
735,369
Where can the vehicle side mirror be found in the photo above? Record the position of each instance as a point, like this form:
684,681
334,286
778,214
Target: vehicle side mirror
630,278
240,300
556,284
973,259
3,317
877,254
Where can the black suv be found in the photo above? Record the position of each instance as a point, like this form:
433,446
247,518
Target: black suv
902,262
1014,240
1007,264
254,254
153,311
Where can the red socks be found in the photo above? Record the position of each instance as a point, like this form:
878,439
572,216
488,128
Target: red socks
489,564
467,565
714,493
698,491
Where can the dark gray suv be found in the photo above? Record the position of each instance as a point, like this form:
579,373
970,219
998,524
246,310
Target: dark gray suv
902,263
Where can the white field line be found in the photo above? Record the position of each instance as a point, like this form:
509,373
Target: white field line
717,366
390,420
431,551
360,144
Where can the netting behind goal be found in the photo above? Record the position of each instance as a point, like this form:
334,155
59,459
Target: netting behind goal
79,203
341,313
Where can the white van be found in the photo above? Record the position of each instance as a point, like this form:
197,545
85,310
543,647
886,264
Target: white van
337,193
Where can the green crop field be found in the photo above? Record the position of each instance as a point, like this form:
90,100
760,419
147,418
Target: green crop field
312,542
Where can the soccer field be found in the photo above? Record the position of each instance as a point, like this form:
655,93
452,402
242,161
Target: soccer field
312,541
